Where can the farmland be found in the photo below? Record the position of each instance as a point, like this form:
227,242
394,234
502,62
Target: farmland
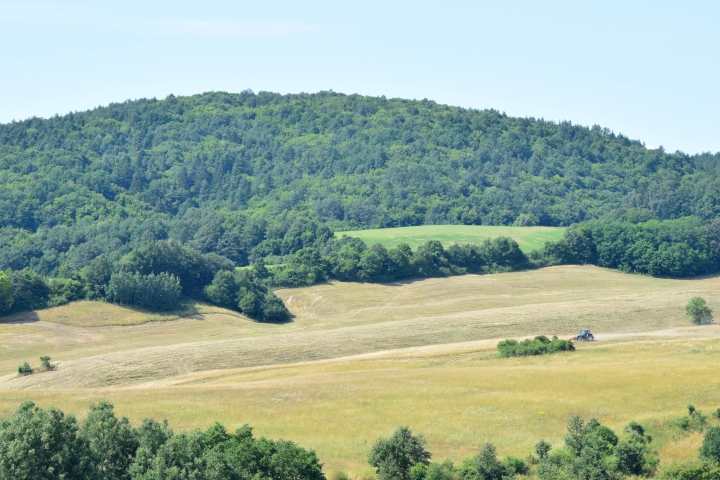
529,238
359,359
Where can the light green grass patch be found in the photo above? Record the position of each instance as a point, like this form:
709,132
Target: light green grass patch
529,238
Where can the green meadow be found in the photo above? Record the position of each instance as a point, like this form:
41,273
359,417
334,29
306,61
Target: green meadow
529,238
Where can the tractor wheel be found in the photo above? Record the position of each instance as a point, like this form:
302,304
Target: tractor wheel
591,338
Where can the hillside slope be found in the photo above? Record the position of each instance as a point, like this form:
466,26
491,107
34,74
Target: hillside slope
342,319
222,172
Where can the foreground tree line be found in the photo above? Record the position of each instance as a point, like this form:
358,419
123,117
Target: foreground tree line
38,444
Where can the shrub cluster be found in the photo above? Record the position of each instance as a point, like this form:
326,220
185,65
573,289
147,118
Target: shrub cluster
243,291
540,345
37,444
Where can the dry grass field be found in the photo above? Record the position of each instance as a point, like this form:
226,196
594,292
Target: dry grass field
357,360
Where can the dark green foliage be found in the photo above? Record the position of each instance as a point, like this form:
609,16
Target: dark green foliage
395,456
233,173
672,248
30,291
155,292
594,451
112,442
542,448
37,444
710,449
349,259
194,269
537,346
25,369
6,293
243,291
97,276
487,466
698,311
64,290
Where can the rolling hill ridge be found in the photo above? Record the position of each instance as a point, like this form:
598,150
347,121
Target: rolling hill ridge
249,166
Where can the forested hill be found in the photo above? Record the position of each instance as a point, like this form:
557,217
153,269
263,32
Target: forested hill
198,168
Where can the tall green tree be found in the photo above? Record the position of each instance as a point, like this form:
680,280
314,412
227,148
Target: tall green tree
112,442
393,457
37,444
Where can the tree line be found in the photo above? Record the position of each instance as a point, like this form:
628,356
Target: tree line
683,247
159,274
156,277
590,451
39,444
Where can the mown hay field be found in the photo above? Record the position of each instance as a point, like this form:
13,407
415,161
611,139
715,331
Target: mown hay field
529,238
358,360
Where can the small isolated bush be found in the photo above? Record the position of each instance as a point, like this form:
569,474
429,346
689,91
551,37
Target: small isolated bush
540,345
25,369
694,421
698,311
46,365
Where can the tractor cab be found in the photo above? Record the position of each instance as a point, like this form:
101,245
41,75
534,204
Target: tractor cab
583,336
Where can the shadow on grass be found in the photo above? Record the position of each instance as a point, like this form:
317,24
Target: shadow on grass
20,317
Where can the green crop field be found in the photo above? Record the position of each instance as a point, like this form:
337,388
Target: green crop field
360,359
529,238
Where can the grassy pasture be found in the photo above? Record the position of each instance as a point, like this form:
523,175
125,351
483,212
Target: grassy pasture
459,397
359,359
529,238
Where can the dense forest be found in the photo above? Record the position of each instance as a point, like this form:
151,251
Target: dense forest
235,173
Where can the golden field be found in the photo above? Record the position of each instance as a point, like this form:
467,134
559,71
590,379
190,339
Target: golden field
358,360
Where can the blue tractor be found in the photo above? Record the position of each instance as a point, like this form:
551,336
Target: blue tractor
583,336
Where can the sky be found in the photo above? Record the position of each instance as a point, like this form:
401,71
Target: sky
647,69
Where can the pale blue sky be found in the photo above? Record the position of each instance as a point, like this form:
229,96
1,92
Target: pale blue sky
648,69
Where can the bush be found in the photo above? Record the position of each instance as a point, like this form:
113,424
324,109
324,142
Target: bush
698,311
694,421
25,369
46,365
540,345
